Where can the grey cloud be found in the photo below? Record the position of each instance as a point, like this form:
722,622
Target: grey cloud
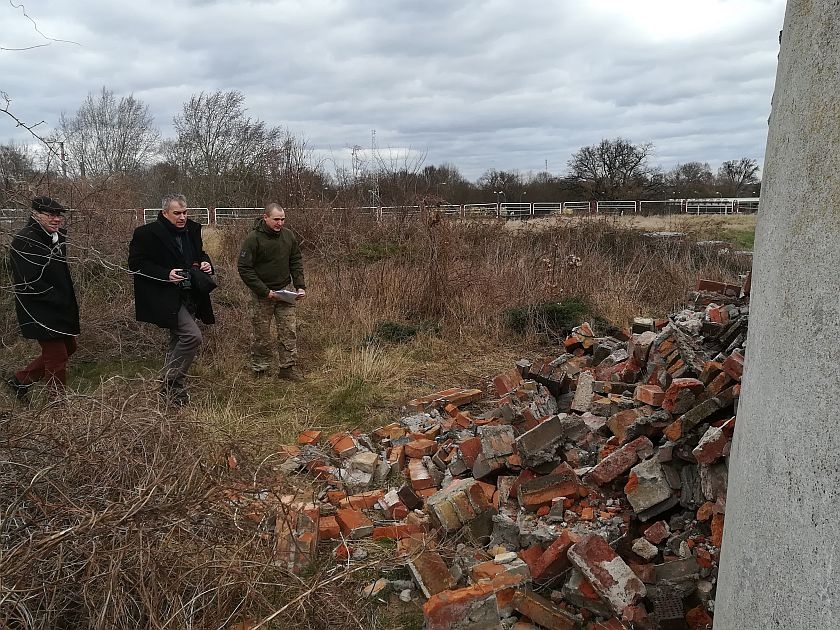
480,83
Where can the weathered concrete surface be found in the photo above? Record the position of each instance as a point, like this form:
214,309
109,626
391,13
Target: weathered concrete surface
780,559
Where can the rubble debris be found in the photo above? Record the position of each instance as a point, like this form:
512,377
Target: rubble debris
586,490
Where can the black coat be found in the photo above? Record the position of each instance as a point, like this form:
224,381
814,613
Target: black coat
152,254
45,300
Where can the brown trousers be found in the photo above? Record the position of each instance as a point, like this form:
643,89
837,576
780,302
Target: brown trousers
263,311
51,365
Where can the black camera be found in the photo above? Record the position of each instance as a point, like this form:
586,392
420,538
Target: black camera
186,283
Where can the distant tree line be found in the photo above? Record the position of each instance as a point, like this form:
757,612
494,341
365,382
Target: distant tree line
221,156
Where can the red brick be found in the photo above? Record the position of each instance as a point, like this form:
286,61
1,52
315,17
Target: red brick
419,476
396,532
734,365
717,530
562,482
431,573
607,572
309,437
681,394
354,524
447,609
542,611
715,443
343,444
657,532
531,556
718,384
470,449
711,370
698,619
619,422
554,560
620,461
328,528
507,381
363,501
420,448
650,395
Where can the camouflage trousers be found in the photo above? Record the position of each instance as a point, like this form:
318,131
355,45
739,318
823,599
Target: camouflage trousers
262,346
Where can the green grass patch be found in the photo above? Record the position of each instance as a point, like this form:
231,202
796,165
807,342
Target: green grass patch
400,332
554,318
349,402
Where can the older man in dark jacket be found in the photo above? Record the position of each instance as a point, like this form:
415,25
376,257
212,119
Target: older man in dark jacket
169,262
45,301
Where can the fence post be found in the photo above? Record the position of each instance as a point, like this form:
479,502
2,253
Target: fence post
211,215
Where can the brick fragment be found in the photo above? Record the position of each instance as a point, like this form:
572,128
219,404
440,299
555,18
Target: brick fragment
431,573
715,443
657,532
563,482
418,449
619,422
448,609
538,445
542,611
620,461
734,366
309,437
396,532
647,485
607,572
354,524
328,528
419,475
649,395
458,504
554,560
362,501
681,395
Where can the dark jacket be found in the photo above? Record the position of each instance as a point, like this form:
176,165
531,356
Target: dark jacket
152,254
269,260
45,300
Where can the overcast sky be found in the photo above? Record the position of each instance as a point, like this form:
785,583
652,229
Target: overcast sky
504,84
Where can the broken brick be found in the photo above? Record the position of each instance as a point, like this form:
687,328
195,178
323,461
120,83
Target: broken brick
607,572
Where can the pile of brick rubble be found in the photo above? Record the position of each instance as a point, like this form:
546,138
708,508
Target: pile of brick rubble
583,490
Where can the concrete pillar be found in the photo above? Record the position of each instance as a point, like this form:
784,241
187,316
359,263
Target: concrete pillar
781,551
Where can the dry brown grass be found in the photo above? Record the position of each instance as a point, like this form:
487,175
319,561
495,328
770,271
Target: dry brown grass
115,512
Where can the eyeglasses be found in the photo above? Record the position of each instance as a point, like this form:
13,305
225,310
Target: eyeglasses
51,214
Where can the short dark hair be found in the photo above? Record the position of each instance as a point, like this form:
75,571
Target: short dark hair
273,206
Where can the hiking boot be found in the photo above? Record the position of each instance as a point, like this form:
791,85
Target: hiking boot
290,374
174,395
20,390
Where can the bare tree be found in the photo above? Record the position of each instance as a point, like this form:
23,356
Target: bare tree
216,142
107,136
501,185
615,169
692,179
735,177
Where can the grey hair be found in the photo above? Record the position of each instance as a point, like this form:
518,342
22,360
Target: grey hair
177,197
273,206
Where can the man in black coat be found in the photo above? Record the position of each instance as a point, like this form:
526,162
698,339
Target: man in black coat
167,257
45,301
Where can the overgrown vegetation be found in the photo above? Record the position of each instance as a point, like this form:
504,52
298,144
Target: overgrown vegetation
552,318
118,513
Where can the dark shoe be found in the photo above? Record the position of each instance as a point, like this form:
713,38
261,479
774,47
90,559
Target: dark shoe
20,390
177,396
290,374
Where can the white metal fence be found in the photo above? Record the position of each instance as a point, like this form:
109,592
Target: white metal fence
10,217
